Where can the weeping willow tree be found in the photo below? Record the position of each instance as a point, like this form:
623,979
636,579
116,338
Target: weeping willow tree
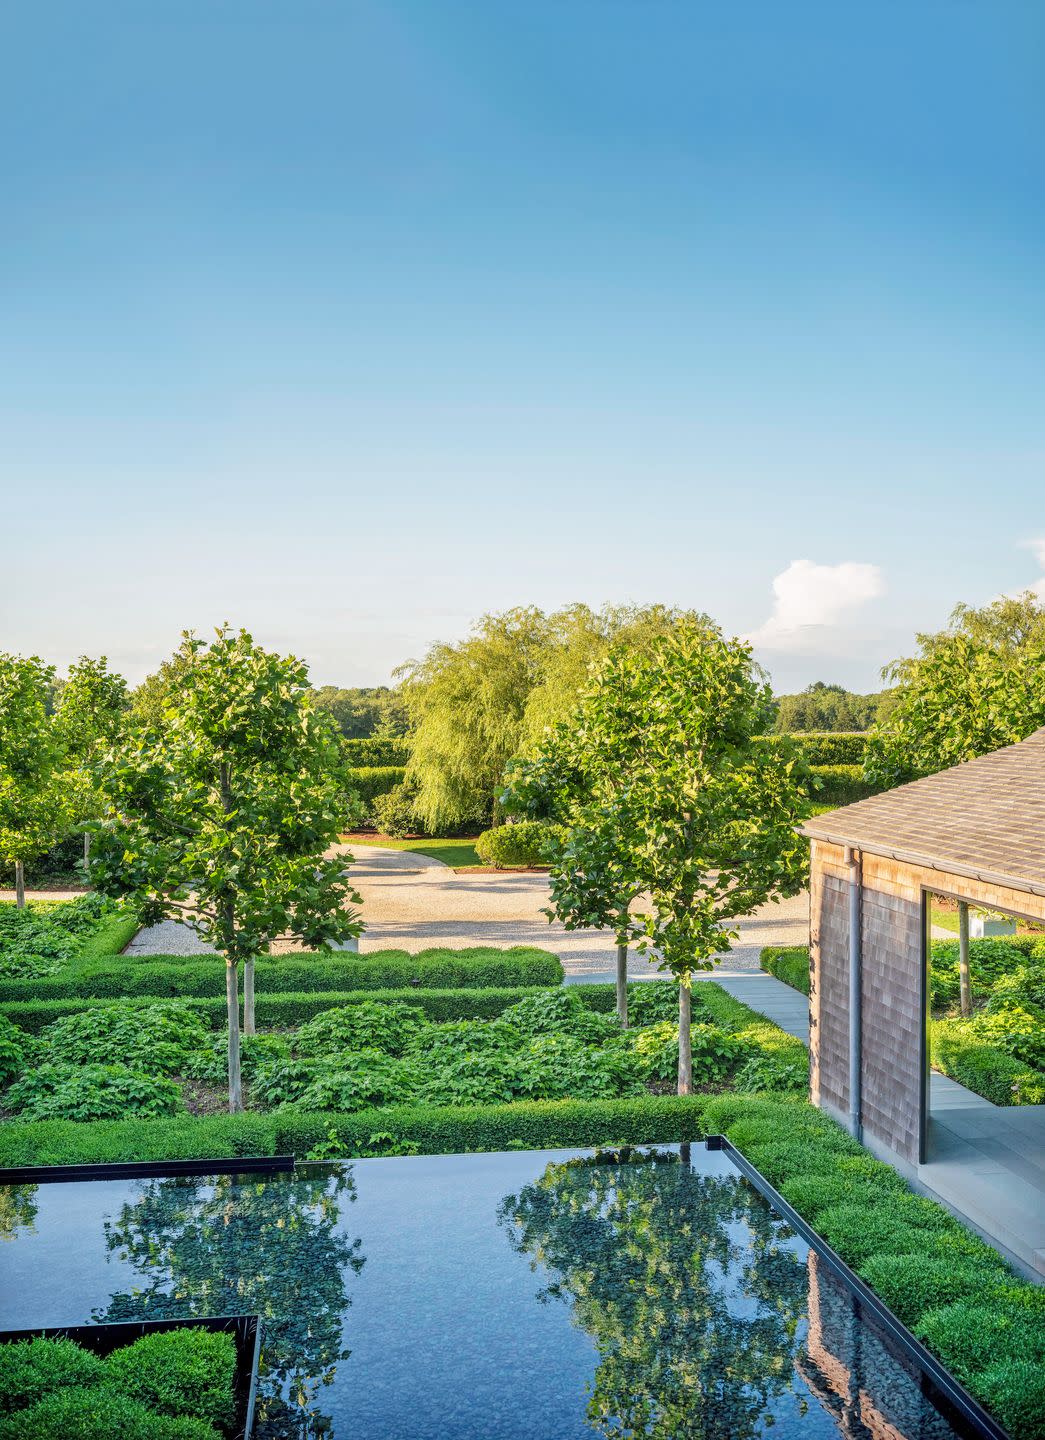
475,705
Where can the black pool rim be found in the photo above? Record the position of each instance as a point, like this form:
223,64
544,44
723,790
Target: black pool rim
972,1412
145,1169
105,1338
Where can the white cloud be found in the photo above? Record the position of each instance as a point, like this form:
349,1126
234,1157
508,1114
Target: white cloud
810,601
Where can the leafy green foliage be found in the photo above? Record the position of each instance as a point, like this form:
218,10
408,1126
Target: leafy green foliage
840,784
824,747
983,1068
44,935
31,1369
973,1336
157,1038
179,1372
395,812
37,803
372,782
789,963
821,707
210,1063
525,843
974,687
99,1413
90,1092
989,960
16,1050
391,1029
912,1284
372,720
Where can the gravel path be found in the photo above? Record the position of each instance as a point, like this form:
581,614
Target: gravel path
412,902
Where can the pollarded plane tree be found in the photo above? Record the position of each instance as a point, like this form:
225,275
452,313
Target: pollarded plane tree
221,814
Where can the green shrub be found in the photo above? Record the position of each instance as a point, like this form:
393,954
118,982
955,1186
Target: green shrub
395,813
825,747
201,976
653,1000
157,1038
715,1051
523,843
370,781
179,1372
562,1010
1017,1030
361,1081
99,1413
990,959
912,1285
90,1092
988,1071
971,1336
364,1026
436,1130
31,1369
16,1048
1023,986
371,752
789,963
41,938
210,1064
1014,1390
840,784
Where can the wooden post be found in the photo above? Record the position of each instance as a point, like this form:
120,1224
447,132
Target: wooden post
964,977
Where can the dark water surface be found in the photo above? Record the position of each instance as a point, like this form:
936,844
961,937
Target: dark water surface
537,1295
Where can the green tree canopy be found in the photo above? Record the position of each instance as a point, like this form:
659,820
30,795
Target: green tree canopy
91,707
825,707
221,815
665,793
361,713
973,687
37,803
476,704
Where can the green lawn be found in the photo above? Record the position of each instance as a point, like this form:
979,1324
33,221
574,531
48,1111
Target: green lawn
456,852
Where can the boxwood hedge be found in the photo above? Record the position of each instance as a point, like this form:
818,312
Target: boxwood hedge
789,963
478,967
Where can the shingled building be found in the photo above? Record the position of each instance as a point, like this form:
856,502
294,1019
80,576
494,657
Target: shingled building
974,833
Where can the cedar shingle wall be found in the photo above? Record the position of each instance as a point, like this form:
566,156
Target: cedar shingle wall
891,992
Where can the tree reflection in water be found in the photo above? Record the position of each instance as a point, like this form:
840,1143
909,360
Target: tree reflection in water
684,1282
17,1210
238,1246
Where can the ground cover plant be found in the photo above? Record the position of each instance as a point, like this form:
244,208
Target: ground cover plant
158,1058
45,937
171,1385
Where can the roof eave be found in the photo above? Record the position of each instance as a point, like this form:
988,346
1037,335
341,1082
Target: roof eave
928,862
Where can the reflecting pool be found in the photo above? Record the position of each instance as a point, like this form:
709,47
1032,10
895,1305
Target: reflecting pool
531,1295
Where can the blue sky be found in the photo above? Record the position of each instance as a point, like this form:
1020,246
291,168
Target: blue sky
347,322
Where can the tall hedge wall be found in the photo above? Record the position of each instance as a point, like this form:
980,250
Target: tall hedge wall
373,752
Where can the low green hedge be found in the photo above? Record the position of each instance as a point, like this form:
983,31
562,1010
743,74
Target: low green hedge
789,963
433,1130
982,1068
108,940
203,975
954,1290
840,784
282,1011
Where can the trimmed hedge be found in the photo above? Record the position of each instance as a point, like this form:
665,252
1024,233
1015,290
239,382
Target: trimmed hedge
840,784
952,1288
789,963
370,781
203,975
370,753
434,1130
108,940
984,1069
521,843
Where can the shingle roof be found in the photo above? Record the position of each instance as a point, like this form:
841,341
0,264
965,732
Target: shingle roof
985,818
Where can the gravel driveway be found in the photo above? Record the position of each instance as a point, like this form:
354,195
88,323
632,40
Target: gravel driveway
412,902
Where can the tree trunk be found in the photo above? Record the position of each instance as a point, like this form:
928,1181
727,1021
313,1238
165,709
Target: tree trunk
19,885
87,855
248,997
965,978
232,1005
622,984
685,1043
